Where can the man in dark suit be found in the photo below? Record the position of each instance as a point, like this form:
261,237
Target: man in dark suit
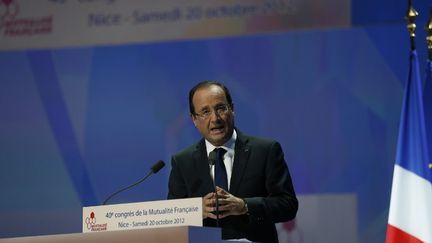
248,176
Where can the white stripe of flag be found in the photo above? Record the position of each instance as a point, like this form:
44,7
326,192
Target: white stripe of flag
411,204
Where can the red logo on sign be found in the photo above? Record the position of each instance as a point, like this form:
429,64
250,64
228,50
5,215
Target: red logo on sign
13,24
90,221
8,9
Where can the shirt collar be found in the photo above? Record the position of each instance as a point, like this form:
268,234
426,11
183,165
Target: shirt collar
228,146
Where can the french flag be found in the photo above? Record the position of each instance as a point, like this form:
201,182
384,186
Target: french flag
410,214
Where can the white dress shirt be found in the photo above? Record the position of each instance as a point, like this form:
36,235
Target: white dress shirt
228,156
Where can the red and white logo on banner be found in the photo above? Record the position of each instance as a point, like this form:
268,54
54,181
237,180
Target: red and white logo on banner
13,24
9,9
90,221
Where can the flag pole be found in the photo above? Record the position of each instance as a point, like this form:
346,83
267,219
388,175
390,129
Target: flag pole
411,26
426,97
428,28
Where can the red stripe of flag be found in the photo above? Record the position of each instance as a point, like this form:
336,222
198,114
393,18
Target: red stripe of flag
395,235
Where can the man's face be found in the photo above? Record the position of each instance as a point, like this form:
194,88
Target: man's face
216,128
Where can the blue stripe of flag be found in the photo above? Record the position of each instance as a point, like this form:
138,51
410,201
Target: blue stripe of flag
427,101
412,149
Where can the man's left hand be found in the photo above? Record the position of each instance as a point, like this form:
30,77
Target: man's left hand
229,204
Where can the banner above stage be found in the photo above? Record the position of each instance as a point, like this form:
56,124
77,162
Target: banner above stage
71,23
144,215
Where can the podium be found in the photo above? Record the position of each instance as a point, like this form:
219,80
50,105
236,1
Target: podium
167,221
179,234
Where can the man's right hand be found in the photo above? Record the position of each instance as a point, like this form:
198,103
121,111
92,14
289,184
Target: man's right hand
208,205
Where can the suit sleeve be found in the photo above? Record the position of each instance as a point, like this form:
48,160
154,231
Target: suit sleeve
176,183
281,203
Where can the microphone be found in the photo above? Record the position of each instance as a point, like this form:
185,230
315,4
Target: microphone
212,161
157,167
212,158
153,170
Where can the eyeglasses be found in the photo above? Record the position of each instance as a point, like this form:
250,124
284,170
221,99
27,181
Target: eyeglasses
219,110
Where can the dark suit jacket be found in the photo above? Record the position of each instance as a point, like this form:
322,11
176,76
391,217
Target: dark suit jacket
260,176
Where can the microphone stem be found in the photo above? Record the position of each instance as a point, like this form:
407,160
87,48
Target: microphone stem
124,189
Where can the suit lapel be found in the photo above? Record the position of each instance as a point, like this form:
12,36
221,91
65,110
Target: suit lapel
202,166
241,158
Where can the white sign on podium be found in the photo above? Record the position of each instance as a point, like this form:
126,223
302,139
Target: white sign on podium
143,215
